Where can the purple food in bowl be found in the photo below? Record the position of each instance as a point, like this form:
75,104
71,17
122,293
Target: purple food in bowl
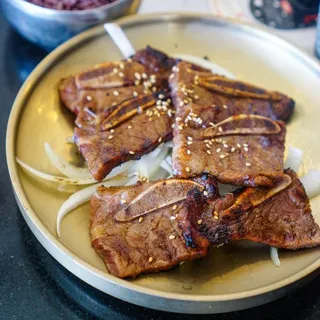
71,4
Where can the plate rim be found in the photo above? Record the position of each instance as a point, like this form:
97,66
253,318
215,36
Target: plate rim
43,234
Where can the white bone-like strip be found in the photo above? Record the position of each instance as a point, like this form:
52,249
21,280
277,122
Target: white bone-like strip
213,67
294,159
120,39
163,193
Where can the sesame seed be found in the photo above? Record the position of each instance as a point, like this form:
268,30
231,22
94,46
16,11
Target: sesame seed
248,164
171,76
172,218
225,107
121,66
196,97
181,103
186,101
161,96
171,237
153,76
225,145
216,217
215,213
137,75
89,98
137,82
154,89
208,146
180,127
110,137
116,93
174,207
233,149
121,74
144,76
131,152
196,82
140,219
222,156
153,81
208,152
160,139
150,259
220,129
175,68
238,145
178,119
190,138
123,201
135,93
129,60
212,124
199,221
218,150
246,149
189,143
188,151
205,192
129,127
115,70
245,144
139,109
187,169
196,77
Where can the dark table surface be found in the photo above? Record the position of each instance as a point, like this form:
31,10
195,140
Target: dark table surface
33,285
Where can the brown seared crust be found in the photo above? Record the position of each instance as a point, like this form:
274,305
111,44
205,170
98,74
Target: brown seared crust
118,118
143,244
100,81
282,221
224,97
240,159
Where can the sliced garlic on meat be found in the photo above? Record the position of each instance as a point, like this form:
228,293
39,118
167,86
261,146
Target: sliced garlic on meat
159,195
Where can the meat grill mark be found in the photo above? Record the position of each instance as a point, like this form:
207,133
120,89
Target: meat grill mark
157,241
284,220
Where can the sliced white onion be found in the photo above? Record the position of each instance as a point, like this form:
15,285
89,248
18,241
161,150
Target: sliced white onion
168,144
311,183
164,164
294,159
215,68
275,256
83,196
70,139
156,151
68,181
120,39
64,166
147,166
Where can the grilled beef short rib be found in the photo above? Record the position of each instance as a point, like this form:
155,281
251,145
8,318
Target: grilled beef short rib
199,91
123,109
279,216
146,227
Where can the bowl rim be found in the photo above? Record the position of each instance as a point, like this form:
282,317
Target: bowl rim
34,8
40,230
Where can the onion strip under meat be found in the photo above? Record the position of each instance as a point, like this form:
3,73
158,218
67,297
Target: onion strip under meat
294,159
83,196
275,256
311,183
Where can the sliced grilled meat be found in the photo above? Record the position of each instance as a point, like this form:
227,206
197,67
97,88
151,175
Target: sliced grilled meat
94,88
209,95
243,150
123,109
279,216
145,227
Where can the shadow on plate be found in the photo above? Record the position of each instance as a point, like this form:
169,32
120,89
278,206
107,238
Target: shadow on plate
74,294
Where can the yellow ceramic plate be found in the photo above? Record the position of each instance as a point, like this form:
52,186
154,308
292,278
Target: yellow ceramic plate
235,276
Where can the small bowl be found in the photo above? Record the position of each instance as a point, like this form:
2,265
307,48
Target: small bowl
48,28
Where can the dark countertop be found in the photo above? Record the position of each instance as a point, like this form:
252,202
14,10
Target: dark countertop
33,285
